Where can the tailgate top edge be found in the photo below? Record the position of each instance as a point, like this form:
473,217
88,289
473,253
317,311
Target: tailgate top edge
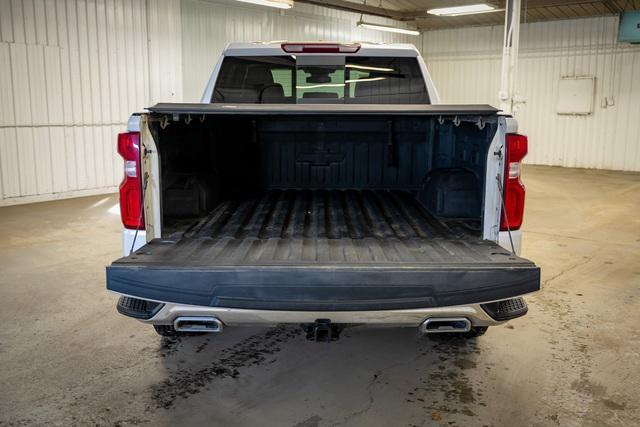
334,109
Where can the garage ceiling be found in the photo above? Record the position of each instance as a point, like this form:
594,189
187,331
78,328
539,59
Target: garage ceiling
415,11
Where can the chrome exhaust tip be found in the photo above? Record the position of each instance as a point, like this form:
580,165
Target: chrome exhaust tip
197,324
435,325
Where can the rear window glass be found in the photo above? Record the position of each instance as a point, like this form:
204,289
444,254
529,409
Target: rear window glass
357,80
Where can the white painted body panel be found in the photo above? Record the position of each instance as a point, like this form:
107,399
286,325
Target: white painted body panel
128,237
150,169
492,196
505,242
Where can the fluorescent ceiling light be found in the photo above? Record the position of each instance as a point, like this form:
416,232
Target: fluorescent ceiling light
370,79
388,28
320,85
462,10
367,68
280,4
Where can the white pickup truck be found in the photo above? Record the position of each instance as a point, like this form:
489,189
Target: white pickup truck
322,184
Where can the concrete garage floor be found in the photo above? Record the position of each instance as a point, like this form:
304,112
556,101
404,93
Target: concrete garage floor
67,358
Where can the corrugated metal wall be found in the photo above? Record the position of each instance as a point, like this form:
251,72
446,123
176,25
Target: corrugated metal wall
465,65
208,27
70,74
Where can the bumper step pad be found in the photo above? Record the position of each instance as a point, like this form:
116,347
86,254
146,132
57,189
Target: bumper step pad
138,308
506,309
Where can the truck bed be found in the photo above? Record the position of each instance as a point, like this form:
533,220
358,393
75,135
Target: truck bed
323,250
335,227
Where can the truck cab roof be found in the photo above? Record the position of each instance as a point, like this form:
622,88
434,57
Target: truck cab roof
274,48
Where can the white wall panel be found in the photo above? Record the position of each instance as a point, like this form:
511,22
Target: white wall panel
10,162
165,51
7,111
465,65
71,73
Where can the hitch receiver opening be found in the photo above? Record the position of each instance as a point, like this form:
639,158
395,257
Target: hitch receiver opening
322,330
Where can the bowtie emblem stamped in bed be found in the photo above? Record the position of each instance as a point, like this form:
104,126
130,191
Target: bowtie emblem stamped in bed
321,158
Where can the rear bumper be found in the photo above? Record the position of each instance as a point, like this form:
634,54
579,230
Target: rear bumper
402,318
325,289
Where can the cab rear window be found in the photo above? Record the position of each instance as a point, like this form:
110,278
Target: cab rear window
339,80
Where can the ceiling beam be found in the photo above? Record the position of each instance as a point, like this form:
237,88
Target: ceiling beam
358,8
611,6
535,4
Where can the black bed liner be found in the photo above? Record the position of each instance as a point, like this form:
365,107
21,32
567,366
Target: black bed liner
323,250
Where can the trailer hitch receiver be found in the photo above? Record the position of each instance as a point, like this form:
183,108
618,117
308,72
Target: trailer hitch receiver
322,330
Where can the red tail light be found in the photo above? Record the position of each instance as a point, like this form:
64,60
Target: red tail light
131,186
514,191
320,47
